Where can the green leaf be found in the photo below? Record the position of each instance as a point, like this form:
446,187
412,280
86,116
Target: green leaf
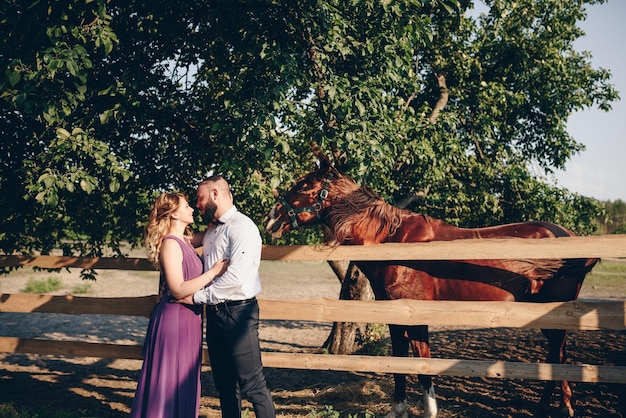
86,186
62,133
14,77
114,185
72,67
106,116
360,107
52,199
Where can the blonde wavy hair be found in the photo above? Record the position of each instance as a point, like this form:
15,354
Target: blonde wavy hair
160,223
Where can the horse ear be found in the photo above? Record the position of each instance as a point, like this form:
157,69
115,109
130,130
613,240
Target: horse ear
341,161
324,161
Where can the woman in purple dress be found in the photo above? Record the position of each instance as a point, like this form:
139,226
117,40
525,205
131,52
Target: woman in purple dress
169,383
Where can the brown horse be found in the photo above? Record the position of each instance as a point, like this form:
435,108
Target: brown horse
356,215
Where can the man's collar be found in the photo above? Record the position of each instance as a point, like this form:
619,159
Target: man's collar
225,216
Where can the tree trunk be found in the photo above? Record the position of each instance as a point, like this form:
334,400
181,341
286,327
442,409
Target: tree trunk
354,286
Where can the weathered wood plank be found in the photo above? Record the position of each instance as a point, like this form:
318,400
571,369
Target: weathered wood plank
604,246
69,348
349,363
57,262
24,302
449,367
573,247
576,315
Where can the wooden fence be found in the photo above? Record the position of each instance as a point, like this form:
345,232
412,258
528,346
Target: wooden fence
577,315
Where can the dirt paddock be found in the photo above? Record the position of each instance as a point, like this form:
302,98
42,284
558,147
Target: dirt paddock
93,387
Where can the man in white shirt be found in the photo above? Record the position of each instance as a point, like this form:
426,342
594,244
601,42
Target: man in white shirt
232,308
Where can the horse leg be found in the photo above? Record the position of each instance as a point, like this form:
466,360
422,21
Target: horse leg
556,355
399,348
418,338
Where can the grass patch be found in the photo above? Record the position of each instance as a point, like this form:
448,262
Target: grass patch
51,284
617,267
608,276
81,289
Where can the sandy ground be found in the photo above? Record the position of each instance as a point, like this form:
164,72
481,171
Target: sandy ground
104,387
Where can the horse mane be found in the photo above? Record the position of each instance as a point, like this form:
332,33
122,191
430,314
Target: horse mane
360,209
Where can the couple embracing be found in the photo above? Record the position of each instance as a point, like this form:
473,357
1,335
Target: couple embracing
226,280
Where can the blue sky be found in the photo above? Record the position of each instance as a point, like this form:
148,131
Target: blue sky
600,170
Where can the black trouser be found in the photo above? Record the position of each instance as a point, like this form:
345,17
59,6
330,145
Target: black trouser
234,350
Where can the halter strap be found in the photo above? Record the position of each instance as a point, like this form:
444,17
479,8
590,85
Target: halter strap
317,207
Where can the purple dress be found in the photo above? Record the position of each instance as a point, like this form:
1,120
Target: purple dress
169,383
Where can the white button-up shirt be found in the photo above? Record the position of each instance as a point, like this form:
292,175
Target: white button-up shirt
237,239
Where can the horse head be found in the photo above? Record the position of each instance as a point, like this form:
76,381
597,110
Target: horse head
305,202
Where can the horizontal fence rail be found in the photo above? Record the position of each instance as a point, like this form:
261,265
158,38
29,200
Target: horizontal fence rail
466,249
576,315
349,363
606,246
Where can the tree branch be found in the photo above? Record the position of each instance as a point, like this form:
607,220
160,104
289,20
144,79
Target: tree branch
443,98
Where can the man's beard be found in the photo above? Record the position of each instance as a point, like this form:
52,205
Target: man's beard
209,213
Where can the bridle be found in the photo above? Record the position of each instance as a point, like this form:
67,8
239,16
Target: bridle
316,207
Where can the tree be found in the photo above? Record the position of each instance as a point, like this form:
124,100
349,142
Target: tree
103,104
448,121
613,218
62,187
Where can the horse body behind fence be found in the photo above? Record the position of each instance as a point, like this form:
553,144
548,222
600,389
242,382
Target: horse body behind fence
355,215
